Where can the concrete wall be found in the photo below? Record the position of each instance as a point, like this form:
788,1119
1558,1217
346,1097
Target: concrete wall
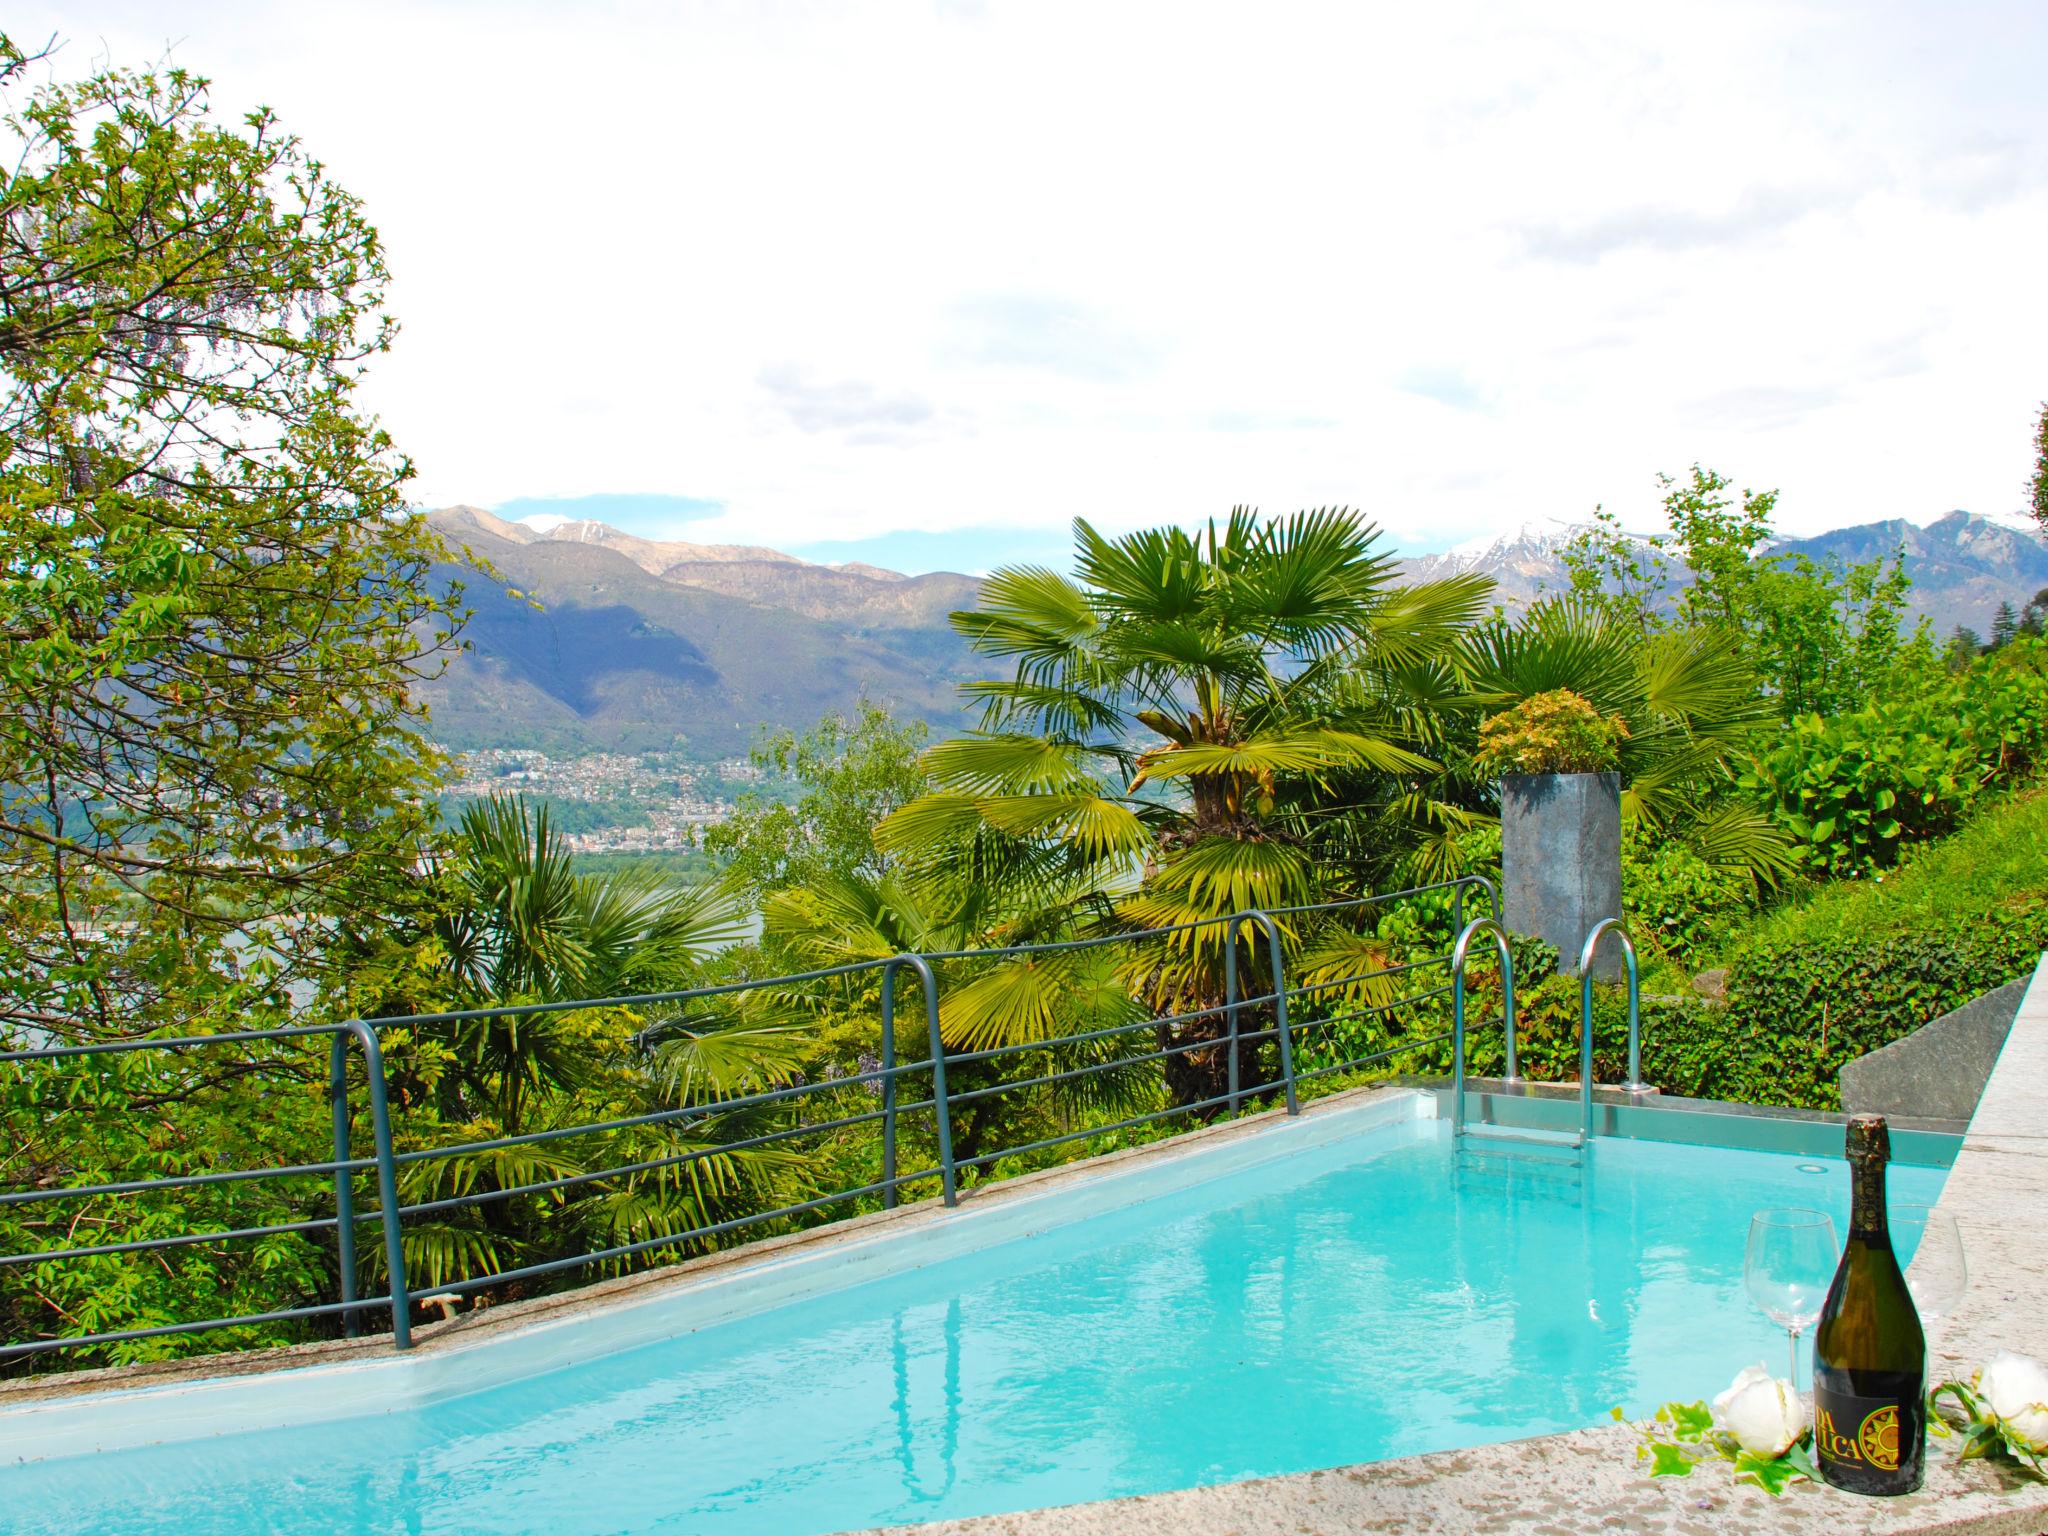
1560,854
1938,1072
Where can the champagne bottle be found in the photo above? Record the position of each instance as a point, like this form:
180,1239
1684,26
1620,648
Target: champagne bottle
1869,1354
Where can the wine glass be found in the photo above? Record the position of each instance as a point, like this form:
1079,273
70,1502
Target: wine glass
1788,1268
1939,1273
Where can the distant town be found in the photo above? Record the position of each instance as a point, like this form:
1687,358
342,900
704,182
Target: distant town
610,802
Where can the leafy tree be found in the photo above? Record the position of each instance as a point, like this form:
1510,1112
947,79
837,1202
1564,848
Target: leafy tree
1819,637
212,608
2037,489
1166,705
852,772
1718,539
1623,572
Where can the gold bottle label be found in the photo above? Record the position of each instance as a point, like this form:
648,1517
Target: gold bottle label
1857,1430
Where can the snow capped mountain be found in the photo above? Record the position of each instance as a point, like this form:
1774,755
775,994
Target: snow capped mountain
1524,563
1962,564
1531,538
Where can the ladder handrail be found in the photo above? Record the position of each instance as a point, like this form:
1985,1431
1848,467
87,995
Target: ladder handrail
1499,935
1601,929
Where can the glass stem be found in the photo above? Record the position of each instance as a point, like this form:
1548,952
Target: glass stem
1794,1378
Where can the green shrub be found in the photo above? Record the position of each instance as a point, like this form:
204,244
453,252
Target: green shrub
1677,902
1857,788
1681,1046
1555,732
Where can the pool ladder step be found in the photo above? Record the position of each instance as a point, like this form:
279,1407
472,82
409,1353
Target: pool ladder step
1517,1138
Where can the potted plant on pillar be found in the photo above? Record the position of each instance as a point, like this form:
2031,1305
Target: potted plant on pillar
1560,819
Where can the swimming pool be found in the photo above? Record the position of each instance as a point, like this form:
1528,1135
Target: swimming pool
1356,1289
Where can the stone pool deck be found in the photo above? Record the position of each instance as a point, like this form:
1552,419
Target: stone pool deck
1563,1485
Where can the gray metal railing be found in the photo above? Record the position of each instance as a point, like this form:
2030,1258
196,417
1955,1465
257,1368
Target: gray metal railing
1460,957
885,1082
1601,929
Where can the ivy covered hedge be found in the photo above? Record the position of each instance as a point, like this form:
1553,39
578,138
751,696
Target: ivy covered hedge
1815,987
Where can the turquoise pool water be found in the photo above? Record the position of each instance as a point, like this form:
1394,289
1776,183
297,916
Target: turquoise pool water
1372,1298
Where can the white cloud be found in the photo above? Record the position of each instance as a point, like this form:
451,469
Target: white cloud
852,269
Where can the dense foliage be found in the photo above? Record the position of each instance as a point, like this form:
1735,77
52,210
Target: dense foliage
1847,969
1174,712
1857,787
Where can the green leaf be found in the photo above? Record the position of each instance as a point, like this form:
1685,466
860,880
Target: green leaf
1981,1440
1667,1460
1773,1474
1690,1421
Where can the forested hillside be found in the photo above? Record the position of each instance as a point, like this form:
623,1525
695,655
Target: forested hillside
613,657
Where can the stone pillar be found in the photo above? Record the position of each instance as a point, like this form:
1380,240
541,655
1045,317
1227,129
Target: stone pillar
1560,855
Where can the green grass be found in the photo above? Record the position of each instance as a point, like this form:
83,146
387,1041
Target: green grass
1996,863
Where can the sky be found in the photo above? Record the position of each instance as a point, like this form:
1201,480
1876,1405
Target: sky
919,283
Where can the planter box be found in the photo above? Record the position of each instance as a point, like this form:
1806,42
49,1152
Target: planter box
1560,853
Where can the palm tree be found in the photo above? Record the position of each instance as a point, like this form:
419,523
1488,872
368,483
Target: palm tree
522,925
1164,702
1691,703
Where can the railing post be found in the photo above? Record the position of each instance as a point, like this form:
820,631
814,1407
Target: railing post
1230,1006
949,1175
1282,1031
387,1185
344,1182
889,1198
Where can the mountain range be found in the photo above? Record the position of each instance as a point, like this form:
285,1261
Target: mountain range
1962,565
638,645
591,639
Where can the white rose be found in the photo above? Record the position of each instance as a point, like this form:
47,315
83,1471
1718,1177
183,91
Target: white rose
2016,1389
1765,1415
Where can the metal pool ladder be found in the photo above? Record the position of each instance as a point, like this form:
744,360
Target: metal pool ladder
1566,1141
